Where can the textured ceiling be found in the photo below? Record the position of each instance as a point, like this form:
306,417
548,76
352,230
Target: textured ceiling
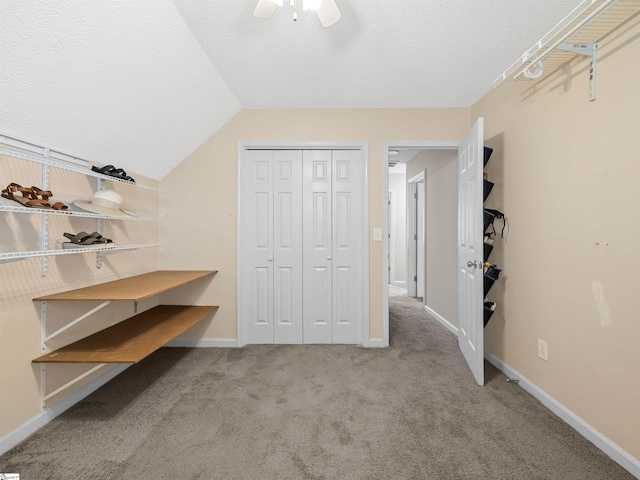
143,83
120,82
382,53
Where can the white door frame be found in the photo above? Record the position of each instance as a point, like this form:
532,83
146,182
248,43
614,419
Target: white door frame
391,239
412,232
386,146
242,146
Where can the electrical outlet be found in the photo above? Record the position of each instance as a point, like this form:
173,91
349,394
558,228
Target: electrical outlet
543,350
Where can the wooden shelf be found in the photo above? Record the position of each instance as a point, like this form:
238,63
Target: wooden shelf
133,339
134,288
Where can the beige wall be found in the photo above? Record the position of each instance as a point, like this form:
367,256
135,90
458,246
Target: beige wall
566,171
21,281
441,229
398,183
199,203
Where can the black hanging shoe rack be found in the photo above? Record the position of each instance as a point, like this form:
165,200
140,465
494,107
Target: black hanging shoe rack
491,271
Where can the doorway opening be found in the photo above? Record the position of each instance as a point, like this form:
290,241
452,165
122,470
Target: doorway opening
428,215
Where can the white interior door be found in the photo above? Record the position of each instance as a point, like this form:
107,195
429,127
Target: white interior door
347,214
470,250
273,268
317,248
332,243
258,224
287,246
302,220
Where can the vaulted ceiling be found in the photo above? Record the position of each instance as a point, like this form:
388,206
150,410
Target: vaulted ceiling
141,84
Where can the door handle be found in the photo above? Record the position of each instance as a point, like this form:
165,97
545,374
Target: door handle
270,258
328,257
472,264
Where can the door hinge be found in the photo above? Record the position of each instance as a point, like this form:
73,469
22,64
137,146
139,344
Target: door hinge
415,279
415,195
415,237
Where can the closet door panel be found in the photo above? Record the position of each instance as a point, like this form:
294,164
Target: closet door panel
258,227
287,246
317,251
347,225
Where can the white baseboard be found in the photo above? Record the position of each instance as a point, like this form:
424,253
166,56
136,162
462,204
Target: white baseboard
616,453
203,342
376,343
36,423
400,283
441,319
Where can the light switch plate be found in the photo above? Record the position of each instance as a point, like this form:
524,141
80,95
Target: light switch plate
377,234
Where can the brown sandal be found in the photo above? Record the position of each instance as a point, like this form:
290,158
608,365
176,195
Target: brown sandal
45,194
28,198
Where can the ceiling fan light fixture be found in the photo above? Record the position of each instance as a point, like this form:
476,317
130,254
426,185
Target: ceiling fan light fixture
327,11
311,5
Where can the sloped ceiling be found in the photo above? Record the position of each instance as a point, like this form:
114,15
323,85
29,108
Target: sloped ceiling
141,84
118,82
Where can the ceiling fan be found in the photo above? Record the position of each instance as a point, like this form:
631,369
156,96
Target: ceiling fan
327,10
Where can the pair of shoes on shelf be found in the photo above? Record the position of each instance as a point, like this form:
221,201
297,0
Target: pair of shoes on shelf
114,172
33,197
489,308
84,239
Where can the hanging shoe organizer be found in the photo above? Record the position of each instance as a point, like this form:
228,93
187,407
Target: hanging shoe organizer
491,271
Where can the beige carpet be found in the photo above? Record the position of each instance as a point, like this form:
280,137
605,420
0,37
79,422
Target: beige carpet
411,411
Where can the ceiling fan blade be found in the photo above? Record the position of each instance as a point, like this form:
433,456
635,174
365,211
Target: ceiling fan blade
265,9
328,13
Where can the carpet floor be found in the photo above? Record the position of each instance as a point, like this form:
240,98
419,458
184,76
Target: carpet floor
412,411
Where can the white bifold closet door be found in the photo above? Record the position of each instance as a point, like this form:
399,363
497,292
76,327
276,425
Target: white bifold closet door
274,261
303,270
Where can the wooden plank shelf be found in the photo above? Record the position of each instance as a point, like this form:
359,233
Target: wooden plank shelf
134,288
133,339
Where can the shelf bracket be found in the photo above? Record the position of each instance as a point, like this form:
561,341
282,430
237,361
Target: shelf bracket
44,338
99,228
43,326
75,322
587,50
72,382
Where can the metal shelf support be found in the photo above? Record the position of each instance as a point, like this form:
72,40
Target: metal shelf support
589,50
44,338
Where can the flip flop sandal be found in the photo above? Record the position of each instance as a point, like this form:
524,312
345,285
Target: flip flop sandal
27,198
120,173
103,170
79,240
100,238
112,171
45,194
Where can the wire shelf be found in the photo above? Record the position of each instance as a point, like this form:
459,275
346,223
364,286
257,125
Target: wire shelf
582,29
73,213
103,250
71,167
